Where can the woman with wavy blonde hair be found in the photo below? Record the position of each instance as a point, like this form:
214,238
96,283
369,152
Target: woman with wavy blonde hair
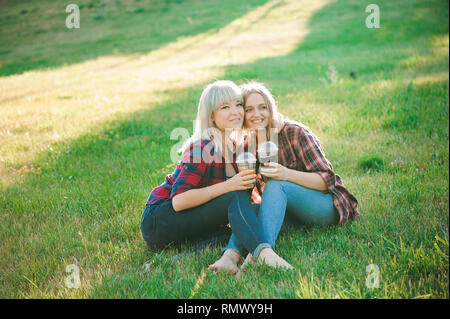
205,191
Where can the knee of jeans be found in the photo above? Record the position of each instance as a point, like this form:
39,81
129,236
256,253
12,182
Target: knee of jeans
334,215
325,204
154,242
148,227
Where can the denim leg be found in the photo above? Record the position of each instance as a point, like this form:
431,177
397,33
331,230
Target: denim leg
165,226
280,198
234,243
273,208
309,207
245,224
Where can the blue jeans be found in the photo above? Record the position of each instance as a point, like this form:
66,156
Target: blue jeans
161,225
300,204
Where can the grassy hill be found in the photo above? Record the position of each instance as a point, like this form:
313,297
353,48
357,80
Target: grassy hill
86,116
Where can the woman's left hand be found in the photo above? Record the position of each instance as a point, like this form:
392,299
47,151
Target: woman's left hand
275,171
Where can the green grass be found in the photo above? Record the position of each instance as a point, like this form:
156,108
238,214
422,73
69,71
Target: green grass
85,122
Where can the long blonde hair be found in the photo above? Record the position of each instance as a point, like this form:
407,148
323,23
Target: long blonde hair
214,95
276,119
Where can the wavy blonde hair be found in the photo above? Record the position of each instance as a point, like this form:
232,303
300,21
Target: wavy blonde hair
276,119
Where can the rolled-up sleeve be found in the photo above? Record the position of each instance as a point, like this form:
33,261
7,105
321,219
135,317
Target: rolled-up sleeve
314,159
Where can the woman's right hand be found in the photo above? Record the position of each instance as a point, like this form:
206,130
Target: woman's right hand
242,181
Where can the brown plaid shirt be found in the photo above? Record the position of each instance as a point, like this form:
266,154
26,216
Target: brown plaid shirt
299,149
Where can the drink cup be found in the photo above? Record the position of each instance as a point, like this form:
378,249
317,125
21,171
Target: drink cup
271,157
246,162
246,168
267,153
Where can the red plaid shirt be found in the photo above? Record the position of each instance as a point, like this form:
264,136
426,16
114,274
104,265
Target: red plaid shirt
299,149
199,167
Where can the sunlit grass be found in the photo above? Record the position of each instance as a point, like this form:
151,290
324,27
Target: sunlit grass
40,108
82,144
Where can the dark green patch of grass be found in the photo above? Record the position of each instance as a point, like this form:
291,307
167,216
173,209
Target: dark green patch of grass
371,162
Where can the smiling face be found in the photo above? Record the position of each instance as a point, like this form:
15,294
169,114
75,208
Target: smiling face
229,115
257,114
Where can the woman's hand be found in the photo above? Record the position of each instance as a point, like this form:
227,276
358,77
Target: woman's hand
242,181
275,171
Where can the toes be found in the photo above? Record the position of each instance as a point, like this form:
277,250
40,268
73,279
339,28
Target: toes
276,262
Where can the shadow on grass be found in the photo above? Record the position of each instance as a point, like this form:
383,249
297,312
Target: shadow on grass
92,190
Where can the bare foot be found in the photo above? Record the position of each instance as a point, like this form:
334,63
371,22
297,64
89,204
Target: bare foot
248,259
228,262
269,257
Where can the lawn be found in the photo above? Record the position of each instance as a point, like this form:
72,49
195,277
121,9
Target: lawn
86,117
